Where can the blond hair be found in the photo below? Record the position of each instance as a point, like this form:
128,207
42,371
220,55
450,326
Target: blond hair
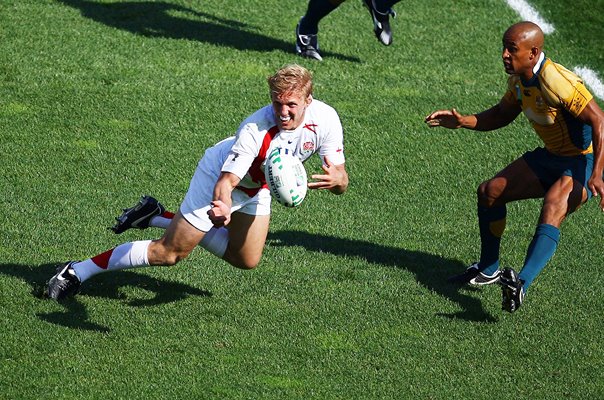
291,78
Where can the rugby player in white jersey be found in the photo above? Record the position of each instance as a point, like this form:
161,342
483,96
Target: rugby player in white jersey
227,207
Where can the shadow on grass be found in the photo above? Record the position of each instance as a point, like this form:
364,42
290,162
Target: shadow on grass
430,270
167,20
76,315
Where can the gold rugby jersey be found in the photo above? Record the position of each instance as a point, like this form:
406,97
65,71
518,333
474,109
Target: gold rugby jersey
552,100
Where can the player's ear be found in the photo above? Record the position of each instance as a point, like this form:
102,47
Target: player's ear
309,99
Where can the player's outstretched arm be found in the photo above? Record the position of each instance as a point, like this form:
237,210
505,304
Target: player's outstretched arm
335,178
495,117
450,119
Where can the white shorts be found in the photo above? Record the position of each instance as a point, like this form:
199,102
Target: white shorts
196,203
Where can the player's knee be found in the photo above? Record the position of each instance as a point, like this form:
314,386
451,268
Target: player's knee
487,193
481,194
247,266
247,263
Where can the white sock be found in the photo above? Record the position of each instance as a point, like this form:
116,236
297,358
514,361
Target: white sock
127,255
161,221
216,241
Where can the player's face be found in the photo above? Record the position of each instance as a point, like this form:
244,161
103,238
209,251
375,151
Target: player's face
289,109
517,56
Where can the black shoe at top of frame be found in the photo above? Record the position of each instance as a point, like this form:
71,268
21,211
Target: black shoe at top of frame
473,276
307,45
138,216
381,22
64,283
512,292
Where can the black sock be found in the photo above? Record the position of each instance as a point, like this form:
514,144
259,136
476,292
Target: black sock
384,5
317,9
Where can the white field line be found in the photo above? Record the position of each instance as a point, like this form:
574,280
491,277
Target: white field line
591,79
528,13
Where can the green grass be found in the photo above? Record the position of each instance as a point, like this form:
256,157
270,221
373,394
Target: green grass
101,101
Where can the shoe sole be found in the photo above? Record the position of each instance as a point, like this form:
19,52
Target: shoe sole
509,302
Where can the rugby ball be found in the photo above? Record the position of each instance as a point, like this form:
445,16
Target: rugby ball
286,177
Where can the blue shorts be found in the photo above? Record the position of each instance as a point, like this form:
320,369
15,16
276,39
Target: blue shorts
549,167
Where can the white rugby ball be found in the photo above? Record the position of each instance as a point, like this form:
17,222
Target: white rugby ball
286,177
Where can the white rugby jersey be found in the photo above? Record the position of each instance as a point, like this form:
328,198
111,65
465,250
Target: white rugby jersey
320,132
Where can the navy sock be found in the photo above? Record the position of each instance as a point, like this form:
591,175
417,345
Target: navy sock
317,9
491,222
541,249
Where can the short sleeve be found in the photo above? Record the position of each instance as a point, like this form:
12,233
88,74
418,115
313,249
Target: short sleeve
332,146
244,151
563,88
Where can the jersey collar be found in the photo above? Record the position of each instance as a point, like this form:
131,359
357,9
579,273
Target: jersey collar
536,69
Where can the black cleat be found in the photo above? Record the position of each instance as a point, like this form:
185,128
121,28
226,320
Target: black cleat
139,216
64,283
307,45
381,22
483,279
511,290
473,276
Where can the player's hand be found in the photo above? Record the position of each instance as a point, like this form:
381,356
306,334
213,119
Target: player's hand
334,177
447,118
596,185
219,213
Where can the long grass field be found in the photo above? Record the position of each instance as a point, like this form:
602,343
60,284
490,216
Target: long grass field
104,100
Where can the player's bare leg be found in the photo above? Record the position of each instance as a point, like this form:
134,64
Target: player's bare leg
247,236
178,241
515,182
247,233
563,198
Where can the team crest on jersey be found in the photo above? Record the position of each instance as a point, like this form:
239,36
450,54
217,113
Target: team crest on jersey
308,146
